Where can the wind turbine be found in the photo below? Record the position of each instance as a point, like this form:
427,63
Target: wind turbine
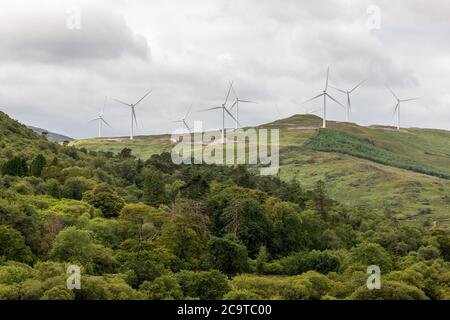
236,104
224,109
397,106
183,121
347,92
133,113
325,95
100,120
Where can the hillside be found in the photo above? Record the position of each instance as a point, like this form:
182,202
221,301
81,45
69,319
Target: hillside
154,230
400,173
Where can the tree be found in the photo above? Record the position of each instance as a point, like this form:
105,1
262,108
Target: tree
226,254
125,153
368,253
58,293
261,259
320,200
185,235
137,216
73,245
321,261
12,245
78,246
16,166
288,233
37,165
245,219
205,285
54,188
74,187
105,198
165,287
390,290
145,265
242,295
154,188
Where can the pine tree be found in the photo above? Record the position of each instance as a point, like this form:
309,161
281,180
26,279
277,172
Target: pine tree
37,165
16,166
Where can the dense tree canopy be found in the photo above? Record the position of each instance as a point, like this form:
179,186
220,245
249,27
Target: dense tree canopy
150,229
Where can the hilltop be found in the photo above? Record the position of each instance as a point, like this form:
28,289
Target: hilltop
404,174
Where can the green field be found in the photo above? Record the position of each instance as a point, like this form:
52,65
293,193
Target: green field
400,173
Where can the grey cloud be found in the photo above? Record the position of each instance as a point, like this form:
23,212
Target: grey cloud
41,35
277,53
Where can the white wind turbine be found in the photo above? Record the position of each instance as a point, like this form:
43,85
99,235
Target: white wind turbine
397,106
183,121
224,109
325,95
236,104
133,113
101,120
347,92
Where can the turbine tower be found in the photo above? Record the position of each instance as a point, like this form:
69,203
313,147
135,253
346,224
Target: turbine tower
224,109
133,113
325,95
101,120
347,92
397,106
236,104
183,121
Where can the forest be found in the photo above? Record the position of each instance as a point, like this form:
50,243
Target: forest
150,229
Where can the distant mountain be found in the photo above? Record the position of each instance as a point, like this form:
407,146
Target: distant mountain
55,137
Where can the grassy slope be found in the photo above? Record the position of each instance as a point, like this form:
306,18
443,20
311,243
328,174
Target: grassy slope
351,179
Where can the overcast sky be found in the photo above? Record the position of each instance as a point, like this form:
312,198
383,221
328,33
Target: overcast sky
55,75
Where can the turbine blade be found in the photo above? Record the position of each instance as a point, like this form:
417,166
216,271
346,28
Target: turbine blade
335,100
319,95
229,113
234,92
188,112
412,99
104,121
134,117
328,74
358,85
213,108
143,98
234,103
228,94
393,94
338,89
396,107
127,104
247,101
186,125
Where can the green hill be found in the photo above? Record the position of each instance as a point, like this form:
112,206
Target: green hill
154,230
400,173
